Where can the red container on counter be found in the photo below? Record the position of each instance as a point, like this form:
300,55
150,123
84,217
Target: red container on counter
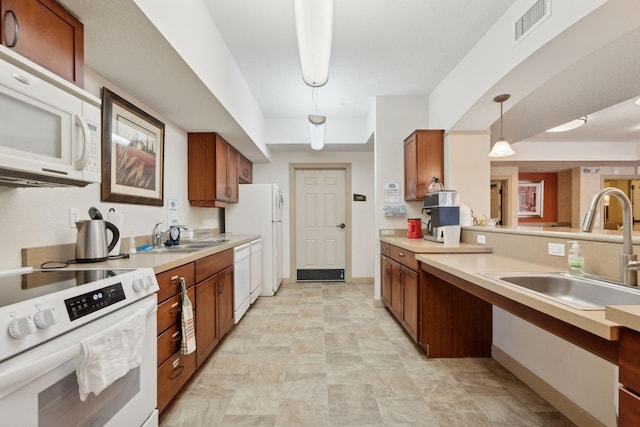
414,228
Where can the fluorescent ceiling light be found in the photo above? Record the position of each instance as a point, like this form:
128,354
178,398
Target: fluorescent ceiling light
573,124
501,148
314,29
316,130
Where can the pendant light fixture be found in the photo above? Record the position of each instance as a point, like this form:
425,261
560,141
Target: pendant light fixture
501,148
316,130
314,30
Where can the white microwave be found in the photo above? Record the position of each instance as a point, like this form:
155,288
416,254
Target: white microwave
49,129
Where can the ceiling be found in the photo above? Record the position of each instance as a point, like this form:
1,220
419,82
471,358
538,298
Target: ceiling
379,49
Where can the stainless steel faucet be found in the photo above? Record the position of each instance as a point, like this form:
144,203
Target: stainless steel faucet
157,234
628,261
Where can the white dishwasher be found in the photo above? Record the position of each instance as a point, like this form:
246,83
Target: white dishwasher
241,280
256,269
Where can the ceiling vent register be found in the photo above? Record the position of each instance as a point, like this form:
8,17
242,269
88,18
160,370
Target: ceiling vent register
533,17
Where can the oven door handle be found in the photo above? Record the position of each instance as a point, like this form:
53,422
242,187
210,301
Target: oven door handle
16,378
13,379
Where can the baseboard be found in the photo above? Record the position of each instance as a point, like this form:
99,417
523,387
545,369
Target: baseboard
377,303
563,404
361,280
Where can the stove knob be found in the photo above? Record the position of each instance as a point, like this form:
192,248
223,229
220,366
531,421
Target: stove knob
44,318
138,284
19,328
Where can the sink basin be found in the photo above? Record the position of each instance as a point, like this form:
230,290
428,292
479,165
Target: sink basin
184,247
582,293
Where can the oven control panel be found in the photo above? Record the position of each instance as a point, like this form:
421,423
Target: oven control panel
93,301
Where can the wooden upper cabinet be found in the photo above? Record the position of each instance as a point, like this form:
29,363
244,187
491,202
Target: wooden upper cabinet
232,175
45,33
245,170
423,159
213,170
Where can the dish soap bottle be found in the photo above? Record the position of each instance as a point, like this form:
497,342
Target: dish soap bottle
575,259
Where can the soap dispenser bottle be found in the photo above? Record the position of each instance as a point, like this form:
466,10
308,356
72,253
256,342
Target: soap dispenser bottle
576,259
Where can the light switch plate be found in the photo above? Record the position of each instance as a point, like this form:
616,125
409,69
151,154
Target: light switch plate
556,249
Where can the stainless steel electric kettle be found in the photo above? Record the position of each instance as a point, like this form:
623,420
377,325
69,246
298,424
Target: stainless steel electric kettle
91,243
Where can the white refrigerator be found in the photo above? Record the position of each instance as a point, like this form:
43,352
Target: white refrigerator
259,211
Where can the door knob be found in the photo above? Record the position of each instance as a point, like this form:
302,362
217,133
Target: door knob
341,225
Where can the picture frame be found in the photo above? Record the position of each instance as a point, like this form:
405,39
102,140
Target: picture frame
530,198
132,153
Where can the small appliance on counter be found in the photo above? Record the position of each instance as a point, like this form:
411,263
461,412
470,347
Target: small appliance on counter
92,244
414,228
443,208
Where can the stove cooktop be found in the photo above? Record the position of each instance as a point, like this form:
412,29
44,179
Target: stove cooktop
35,283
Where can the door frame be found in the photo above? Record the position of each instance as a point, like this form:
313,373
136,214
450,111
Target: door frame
293,167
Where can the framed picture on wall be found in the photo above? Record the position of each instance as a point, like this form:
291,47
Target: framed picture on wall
132,153
530,198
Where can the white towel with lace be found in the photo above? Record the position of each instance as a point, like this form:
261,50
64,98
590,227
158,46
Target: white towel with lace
109,354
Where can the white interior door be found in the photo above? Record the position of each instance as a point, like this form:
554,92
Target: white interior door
320,224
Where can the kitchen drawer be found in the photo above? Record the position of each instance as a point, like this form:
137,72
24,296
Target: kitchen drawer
629,366
628,408
169,281
404,257
173,374
169,311
208,266
169,342
385,248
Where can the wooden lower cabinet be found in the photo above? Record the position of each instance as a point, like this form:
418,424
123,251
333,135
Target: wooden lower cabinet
385,279
173,374
453,323
174,369
214,293
209,282
629,377
399,286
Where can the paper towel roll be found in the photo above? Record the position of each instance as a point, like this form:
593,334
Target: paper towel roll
116,218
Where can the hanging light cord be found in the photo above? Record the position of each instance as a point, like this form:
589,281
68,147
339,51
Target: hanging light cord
501,137
314,99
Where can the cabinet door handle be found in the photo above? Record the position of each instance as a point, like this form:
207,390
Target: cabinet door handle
177,336
16,33
414,188
401,254
175,280
177,372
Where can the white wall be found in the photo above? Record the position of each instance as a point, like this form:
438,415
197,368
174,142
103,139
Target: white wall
468,169
39,216
362,213
587,380
396,118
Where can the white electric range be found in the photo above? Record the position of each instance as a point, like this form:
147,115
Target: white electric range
46,313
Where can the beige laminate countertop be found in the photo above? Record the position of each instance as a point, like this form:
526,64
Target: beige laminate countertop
165,261
625,315
468,267
423,246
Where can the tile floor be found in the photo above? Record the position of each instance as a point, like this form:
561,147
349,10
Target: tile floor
320,354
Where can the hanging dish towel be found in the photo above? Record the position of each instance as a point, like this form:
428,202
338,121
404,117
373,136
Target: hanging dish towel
188,333
109,354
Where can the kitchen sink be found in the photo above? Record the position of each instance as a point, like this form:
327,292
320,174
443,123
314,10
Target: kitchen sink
182,248
582,293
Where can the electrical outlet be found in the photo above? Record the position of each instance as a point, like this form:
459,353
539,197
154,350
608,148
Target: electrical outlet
73,217
556,249
480,239
386,232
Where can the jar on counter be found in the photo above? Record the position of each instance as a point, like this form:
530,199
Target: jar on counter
435,185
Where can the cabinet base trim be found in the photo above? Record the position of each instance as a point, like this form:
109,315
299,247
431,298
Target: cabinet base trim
563,404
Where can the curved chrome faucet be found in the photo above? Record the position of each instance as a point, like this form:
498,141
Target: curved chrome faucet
628,261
